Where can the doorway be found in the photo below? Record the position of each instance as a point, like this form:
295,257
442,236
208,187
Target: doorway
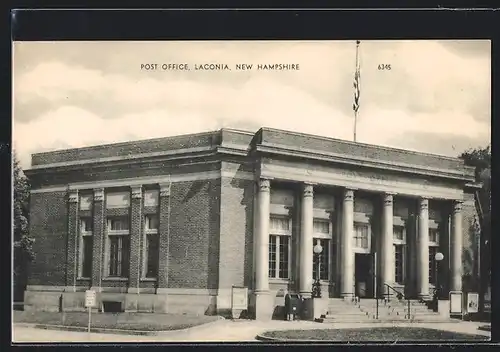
364,275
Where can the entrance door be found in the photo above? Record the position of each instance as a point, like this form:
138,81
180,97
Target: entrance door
364,275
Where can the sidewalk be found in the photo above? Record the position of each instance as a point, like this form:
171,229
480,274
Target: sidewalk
225,330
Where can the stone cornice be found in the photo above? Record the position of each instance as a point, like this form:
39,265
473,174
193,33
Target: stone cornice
364,162
341,178
188,153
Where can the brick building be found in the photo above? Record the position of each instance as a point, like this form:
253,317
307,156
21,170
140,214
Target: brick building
171,224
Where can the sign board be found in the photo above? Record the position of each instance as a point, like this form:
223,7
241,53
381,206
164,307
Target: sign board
239,298
472,302
90,298
456,302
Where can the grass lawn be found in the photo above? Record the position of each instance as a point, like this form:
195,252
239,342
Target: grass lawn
123,321
391,334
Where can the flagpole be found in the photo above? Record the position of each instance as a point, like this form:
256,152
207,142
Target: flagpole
356,77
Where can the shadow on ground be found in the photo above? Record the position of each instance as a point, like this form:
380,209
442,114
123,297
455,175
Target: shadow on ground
376,334
123,321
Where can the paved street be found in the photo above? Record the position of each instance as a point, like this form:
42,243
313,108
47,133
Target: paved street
217,332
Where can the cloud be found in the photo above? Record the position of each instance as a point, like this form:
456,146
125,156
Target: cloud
76,102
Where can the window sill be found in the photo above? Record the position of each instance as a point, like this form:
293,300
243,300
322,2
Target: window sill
83,278
148,279
111,278
280,281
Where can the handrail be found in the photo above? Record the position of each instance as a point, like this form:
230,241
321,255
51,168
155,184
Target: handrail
400,296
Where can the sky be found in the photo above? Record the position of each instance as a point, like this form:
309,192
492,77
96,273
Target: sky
436,98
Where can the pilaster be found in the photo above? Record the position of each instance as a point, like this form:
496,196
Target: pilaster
135,239
165,191
98,242
72,247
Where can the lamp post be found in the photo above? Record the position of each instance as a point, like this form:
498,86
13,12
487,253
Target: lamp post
438,257
316,292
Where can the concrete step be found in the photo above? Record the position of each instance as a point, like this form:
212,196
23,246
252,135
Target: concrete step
346,313
389,320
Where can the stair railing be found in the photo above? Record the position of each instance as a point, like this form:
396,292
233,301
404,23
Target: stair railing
399,295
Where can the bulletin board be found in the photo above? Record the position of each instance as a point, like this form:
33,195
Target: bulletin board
239,298
456,299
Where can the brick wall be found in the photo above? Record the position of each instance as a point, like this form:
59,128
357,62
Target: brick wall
113,172
236,229
48,226
194,234
127,148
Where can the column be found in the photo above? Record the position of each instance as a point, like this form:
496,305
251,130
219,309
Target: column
262,237
456,248
72,248
164,237
423,249
346,250
306,241
135,239
263,304
386,243
98,233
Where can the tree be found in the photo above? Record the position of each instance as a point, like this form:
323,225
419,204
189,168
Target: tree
23,252
480,158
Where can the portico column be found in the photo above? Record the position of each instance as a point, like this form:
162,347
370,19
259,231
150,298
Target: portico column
423,249
346,245
456,248
387,259
263,306
306,241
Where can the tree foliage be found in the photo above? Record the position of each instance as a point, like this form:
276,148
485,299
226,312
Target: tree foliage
480,158
23,251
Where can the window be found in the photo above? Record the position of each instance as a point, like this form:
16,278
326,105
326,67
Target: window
361,235
151,198
152,244
86,202
280,247
86,226
117,200
324,260
434,235
118,224
399,233
321,226
119,256
279,224
399,240
432,264
151,247
279,257
399,263
272,255
151,223
86,247
119,245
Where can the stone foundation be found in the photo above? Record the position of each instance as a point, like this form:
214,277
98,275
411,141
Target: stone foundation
177,302
263,306
45,301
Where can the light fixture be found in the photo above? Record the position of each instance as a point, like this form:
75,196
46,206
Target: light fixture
439,256
318,249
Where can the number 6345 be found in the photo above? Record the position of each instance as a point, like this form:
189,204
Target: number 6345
384,67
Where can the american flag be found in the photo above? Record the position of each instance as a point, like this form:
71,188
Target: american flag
357,75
